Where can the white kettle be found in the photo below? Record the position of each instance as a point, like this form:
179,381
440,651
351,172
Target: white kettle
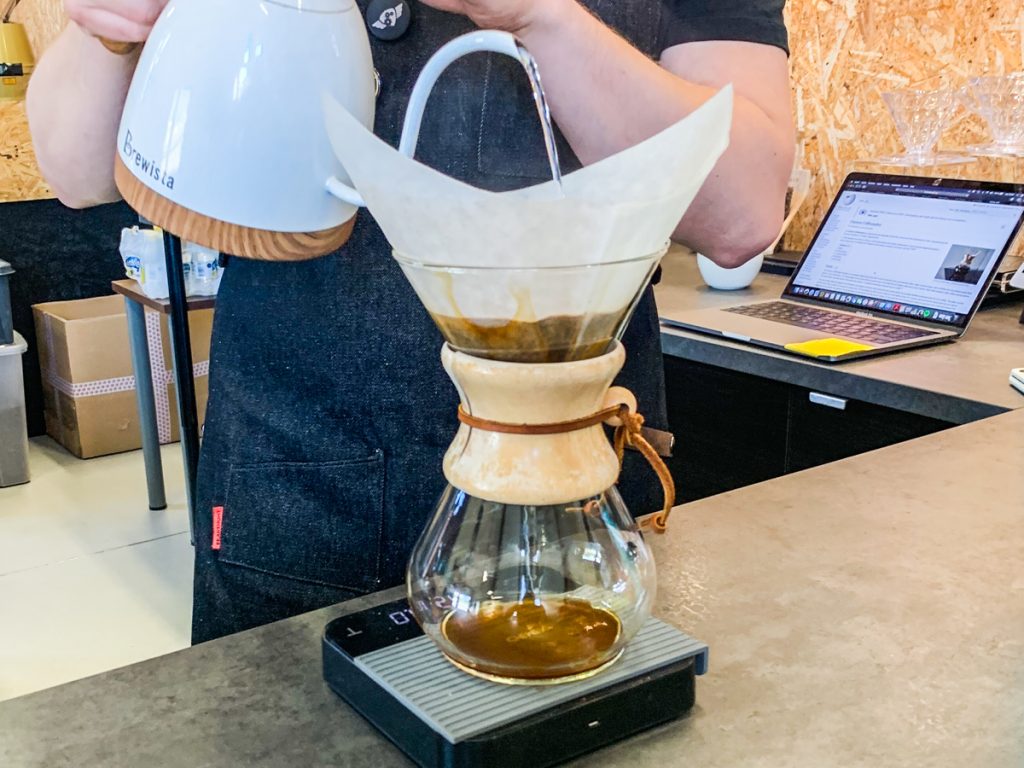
222,140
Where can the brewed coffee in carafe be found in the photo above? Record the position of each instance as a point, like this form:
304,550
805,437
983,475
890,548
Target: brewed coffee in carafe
531,593
534,638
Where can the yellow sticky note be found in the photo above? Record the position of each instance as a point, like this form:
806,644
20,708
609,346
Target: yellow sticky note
827,347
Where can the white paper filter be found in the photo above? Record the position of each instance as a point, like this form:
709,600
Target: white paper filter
621,208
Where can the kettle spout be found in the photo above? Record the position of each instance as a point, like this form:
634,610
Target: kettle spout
344,192
340,123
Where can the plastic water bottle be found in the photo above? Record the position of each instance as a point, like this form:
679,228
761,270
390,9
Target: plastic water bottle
205,270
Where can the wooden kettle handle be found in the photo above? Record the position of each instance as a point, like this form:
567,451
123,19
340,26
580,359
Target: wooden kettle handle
121,49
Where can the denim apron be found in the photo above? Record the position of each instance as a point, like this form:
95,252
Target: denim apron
329,412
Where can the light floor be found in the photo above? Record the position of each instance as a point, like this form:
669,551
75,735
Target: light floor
90,578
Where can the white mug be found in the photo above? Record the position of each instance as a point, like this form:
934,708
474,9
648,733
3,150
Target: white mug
723,279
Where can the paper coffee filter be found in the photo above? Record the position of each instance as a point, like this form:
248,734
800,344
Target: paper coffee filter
622,207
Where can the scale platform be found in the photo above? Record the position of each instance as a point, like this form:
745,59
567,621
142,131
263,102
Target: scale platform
381,663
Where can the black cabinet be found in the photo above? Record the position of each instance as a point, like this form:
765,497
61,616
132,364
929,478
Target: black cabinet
733,429
825,429
730,428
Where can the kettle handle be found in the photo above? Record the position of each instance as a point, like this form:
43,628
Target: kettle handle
485,40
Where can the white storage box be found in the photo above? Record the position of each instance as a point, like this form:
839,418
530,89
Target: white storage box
13,429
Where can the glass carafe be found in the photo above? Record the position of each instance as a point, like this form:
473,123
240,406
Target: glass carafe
531,594
532,569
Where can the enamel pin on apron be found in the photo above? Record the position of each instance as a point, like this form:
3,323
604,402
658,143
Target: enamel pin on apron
388,19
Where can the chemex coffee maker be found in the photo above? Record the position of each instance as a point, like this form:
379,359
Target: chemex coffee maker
526,637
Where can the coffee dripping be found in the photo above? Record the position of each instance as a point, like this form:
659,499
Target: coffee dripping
531,569
549,340
531,315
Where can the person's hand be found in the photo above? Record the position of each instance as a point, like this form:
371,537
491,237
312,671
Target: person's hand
127,21
515,16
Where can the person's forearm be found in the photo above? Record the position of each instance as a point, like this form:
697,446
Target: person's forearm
606,96
74,105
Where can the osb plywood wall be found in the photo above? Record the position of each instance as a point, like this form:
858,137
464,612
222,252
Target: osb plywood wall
19,176
845,52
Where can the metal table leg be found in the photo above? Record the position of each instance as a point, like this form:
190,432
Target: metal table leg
147,405
181,348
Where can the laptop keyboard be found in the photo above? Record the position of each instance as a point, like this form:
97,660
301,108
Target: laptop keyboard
842,323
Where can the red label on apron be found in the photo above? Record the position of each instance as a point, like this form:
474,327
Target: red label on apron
218,524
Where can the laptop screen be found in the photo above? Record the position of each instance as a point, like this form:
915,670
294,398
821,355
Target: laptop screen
914,247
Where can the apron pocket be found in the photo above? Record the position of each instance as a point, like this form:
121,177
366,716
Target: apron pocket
316,522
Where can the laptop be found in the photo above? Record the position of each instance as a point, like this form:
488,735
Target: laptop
898,262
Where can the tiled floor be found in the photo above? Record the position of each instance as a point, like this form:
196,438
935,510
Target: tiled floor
90,578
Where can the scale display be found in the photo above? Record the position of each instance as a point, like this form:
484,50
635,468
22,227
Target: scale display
375,629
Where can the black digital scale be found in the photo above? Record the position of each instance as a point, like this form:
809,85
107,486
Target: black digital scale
381,663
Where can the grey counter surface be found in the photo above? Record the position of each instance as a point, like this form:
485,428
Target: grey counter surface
958,382
865,613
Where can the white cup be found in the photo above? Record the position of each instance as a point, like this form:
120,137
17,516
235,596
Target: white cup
722,279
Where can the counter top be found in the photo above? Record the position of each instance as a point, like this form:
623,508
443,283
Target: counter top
864,613
958,382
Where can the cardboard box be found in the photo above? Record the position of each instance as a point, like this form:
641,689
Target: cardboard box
89,395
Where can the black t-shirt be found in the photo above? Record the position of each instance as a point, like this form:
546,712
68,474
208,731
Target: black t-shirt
752,21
